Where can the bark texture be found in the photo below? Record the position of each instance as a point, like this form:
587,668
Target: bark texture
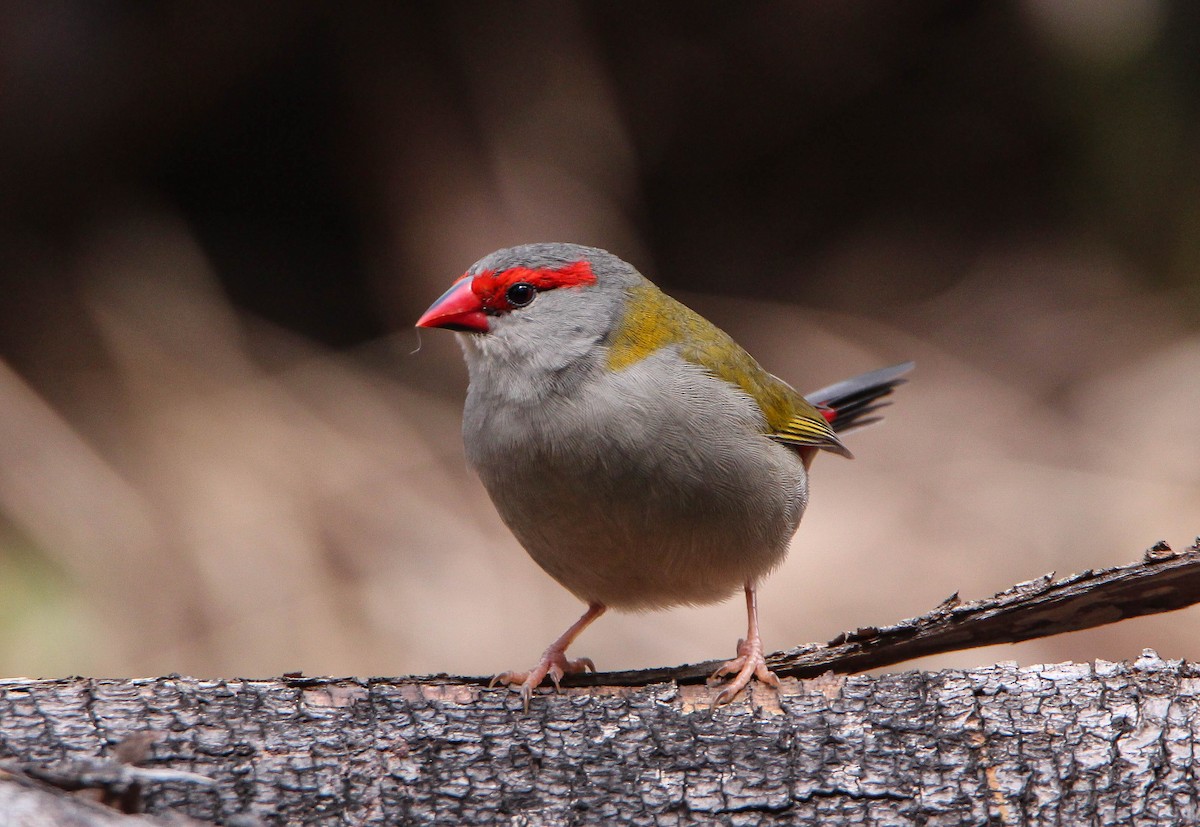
1099,743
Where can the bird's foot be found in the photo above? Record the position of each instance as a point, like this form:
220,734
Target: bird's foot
554,664
750,663
554,660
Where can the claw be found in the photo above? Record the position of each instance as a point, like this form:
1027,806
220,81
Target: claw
553,663
750,662
506,678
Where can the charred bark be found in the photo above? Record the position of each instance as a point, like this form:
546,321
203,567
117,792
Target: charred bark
1099,743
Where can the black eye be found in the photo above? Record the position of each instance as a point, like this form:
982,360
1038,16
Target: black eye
520,294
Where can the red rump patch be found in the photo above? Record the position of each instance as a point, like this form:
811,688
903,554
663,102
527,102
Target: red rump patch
829,413
490,286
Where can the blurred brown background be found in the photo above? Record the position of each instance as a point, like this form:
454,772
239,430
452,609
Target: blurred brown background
225,451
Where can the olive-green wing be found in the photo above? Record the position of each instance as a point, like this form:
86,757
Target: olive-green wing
655,320
804,430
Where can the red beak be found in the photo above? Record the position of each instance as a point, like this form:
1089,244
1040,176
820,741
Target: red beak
458,309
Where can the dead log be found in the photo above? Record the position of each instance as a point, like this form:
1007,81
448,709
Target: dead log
1099,743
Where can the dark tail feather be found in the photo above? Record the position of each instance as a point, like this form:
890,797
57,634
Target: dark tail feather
853,399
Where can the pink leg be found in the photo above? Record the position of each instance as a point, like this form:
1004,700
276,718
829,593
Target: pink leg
750,662
554,660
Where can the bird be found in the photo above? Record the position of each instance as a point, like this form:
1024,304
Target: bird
640,455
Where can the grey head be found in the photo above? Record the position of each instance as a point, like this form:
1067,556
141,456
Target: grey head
548,305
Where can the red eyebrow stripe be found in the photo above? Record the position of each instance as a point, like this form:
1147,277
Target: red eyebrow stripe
490,285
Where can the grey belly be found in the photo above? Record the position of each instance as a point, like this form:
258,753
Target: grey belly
647,487
632,532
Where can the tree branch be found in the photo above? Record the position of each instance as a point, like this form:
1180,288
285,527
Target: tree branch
1163,581
982,746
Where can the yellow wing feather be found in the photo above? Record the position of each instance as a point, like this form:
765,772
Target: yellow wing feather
655,320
